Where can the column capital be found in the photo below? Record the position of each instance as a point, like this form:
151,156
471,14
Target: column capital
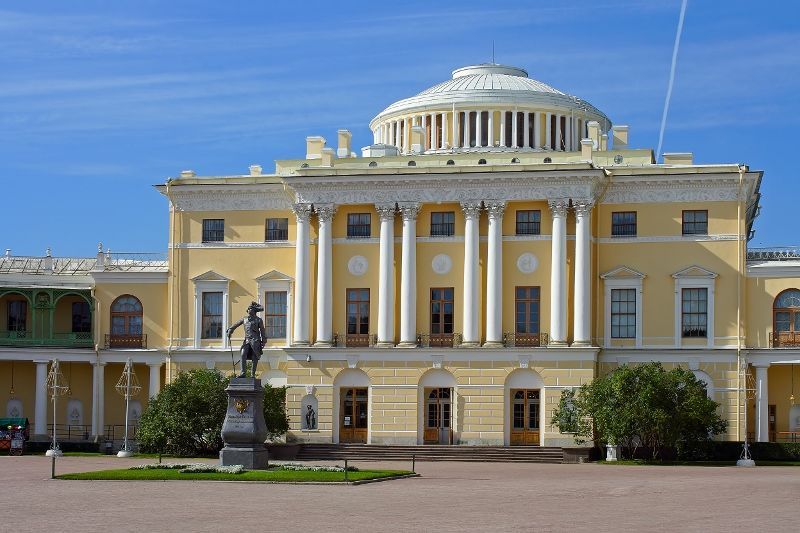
409,211
325,212
471,209
495,208
582,207
155,365
760,365
385,211
302,211
558,207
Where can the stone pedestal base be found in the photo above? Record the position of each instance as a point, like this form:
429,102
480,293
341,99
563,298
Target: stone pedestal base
254,457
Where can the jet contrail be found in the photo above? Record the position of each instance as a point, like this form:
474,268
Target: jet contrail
671,79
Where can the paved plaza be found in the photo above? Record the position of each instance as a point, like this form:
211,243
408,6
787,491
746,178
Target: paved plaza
448,497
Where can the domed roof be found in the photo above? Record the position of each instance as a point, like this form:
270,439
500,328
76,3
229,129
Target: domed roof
490,84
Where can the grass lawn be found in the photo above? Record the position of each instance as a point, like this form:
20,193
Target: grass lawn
642,462
276,475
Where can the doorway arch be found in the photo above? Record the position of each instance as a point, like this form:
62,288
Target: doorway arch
438,381
525,380
348,395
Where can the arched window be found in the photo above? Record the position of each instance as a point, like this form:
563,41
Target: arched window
126,322
548,160
515,160
481,161
451,162
373,163
412,163
786,317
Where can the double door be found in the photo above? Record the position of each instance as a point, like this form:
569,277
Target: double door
438,416
353,415
525,417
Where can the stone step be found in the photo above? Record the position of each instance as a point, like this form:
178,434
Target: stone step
369,452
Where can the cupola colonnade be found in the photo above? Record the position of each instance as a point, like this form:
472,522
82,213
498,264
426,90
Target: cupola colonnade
471,328
485,128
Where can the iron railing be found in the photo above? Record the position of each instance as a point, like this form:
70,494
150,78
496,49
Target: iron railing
354,341
27,338
439,340
123,342
525,340
784,339
117,431
777,253
71,432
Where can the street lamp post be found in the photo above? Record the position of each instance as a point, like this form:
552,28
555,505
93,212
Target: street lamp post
127,386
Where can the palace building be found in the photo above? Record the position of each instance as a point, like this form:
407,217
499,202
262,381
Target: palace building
499,242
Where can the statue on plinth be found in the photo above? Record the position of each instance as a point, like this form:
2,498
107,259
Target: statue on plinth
255,337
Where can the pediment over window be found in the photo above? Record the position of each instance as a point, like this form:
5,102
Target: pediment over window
695,271
274,275
210,276
623,272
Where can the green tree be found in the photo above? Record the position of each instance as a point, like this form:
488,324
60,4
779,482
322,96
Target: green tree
186,417
275,410
641,405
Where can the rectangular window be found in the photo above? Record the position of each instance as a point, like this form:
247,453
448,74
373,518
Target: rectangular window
623,313
357,317
81,318
359,225
529,222
17,315
623,224
695,222
694,312
213,230
443,224
442,311
277,229
212,316
526,309
275,314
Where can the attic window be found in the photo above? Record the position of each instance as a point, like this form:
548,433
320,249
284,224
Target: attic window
548,160
412,163
515,160
451,162
481,161
304,165
373,163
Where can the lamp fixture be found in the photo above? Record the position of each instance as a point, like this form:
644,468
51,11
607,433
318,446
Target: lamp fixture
11,390
308,358
791,396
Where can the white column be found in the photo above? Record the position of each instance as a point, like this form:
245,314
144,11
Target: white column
514,132
40,408
490,125
558,132
393,133
558,274
99,401
95,399
386,276
155,379
537,131
494,276
302,294
472,211
548,137
527,130
433,131
762,403
502,128
443,140
568,134
583,267
478,128
456,141
467,132
325,276
407,134
408,277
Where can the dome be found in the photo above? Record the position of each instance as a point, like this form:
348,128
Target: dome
487,107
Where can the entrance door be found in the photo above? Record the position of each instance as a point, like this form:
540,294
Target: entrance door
524,417
353,415
438,416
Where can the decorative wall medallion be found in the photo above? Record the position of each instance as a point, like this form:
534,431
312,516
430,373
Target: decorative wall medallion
442,264
527,263
358,265
242,405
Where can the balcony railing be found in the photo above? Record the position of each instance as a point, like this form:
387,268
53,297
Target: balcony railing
27,338
525,340
439,340
358,341
784,339
126,342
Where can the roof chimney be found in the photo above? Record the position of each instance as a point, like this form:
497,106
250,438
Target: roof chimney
314,146
417,139
593,127
8,252
327,156
255,170
188,173
48,260
620,137
604,142
586,149
678,158
345,138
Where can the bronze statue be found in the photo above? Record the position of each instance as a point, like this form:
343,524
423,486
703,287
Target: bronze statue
255,337
311,418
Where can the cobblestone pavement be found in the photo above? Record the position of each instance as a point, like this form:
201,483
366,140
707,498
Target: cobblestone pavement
448,497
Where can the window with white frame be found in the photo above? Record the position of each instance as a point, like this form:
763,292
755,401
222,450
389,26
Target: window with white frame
623,313
211,308
623,306
694,305
275,294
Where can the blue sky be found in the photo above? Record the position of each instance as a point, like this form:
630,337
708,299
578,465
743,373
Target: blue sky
100,100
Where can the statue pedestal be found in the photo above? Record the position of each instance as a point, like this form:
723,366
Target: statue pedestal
244,430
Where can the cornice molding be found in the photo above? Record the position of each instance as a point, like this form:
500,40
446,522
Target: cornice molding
651,191
230,198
